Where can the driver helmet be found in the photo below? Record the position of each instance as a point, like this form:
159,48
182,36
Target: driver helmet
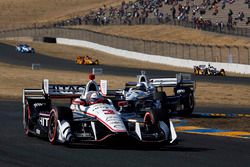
141,86
95,98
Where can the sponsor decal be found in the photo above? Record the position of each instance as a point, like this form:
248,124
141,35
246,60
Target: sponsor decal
111,118
119,126
38,131
39,104
83,134
107,111
44,121
115,122
66,89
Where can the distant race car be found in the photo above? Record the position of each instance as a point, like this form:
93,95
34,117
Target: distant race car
208,70
150,93
87,60
90,116
24,48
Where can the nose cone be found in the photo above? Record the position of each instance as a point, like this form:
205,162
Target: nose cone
108,116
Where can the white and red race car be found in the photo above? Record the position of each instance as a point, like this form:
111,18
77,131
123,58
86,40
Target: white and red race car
90,116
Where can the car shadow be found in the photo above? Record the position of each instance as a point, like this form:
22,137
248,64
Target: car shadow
139,147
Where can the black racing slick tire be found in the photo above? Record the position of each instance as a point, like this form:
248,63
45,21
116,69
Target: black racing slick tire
189,105
164,110
57,114
222,72
52,127
26,121
151,117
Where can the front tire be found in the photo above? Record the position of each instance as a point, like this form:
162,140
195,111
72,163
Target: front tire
151,117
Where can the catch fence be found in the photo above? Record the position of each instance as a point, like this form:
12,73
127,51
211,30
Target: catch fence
208,53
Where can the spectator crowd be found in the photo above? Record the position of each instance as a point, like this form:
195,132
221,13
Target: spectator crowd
162,11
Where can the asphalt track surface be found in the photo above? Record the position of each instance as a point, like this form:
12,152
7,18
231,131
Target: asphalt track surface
16,149
10,56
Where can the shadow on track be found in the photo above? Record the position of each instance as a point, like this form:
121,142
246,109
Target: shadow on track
138,147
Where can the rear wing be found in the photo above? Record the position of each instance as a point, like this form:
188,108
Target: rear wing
64,91
54,91
179,80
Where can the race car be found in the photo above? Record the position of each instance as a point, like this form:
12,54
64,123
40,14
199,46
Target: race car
208,70
24,48
89,117
87,60
151,93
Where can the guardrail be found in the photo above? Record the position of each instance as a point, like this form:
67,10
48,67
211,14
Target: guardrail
208,53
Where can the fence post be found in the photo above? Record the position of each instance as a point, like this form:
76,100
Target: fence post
156,44
118,42
176,50
163,48
170,43
149,47
189,51
238,50
248,56
183,50
144,46
204,47
229,57
212,53
220,58
197,47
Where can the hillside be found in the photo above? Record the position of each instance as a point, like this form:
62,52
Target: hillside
170,33
19,13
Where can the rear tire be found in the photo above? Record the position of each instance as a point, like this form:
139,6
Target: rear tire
57,113
222,72
189,105
163,111
96,62
52,127
26,121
